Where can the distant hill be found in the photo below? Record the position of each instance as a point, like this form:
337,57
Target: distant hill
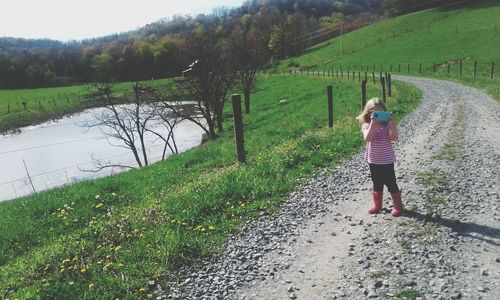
452,33
157,49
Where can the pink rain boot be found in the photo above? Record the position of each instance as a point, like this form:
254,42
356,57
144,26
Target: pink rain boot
397,209
377,202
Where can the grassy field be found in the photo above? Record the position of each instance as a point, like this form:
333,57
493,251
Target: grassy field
47,103
107,238
438,37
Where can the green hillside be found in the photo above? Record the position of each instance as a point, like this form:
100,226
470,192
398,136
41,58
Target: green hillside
432,37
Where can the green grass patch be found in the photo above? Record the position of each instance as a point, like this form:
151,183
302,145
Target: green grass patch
437,184
107,238
453,149
434,179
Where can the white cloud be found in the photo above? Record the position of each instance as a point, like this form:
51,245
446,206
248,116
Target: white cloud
79,19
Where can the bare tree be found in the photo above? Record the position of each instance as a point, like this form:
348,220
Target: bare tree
208,81
249,51
128,124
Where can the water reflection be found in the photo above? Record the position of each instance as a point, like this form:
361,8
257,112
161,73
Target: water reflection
55,153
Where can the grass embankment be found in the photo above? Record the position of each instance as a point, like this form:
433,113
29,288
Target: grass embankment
108,237
44,104
439,36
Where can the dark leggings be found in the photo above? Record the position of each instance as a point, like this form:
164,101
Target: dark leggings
383,175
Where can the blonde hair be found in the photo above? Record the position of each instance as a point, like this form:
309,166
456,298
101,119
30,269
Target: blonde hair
363,117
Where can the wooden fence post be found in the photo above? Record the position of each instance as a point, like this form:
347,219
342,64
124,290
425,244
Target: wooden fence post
329,90
460,72
389,85
420,68
238,128
373,75
492,69
363,94
434,68
474,70
449,65
382,82
408,68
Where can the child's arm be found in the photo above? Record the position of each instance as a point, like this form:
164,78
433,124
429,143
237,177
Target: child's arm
369,130
393,132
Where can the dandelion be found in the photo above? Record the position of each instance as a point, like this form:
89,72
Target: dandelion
150,296
62,270
142,290
118,248
83,270
211,227
99,205
91,285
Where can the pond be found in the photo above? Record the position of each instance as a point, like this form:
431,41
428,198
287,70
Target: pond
63,151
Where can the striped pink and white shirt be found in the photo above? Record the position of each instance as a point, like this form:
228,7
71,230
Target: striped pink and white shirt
379,150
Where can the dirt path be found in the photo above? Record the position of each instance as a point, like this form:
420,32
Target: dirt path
324,244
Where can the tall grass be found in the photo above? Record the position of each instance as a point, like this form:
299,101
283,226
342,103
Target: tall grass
107,238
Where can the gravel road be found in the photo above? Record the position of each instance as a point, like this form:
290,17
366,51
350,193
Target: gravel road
323,244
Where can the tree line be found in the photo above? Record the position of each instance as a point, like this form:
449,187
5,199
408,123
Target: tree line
159,49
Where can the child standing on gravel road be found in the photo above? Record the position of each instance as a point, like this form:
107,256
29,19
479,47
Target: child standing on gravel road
379,155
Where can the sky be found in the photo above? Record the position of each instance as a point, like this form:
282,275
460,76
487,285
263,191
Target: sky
66,20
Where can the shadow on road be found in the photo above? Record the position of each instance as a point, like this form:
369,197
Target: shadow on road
484,233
